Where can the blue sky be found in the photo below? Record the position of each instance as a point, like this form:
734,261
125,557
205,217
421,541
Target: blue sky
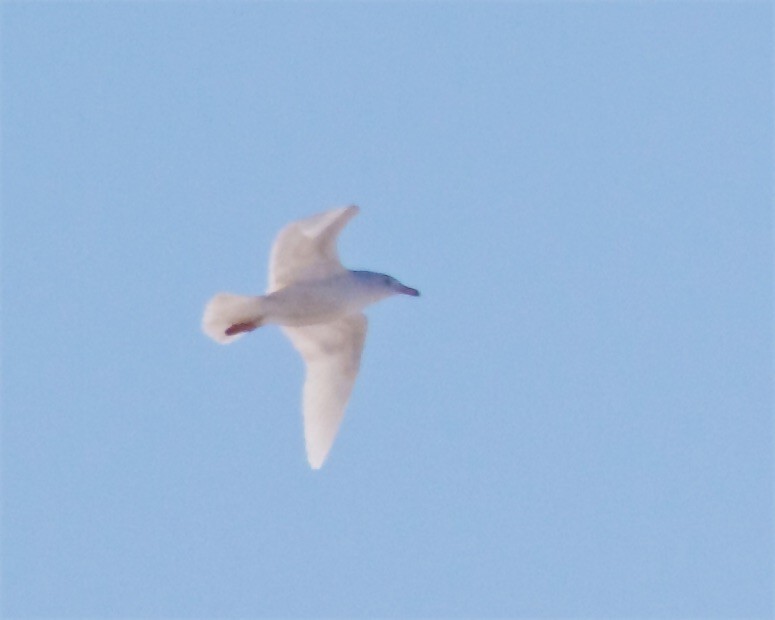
574,420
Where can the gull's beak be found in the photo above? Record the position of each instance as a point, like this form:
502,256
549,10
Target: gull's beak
406,290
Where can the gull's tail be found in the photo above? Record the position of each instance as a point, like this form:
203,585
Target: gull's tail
227,316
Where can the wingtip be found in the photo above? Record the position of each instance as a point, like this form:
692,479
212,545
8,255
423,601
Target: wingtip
315,465
316,460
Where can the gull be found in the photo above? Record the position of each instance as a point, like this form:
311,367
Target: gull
318,305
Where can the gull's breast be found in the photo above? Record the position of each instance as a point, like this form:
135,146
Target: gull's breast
310,303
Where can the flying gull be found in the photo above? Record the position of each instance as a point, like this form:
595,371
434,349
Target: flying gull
318,304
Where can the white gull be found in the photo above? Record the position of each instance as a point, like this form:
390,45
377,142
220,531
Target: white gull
318,304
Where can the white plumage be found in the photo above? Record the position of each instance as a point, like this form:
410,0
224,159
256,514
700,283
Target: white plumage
318,303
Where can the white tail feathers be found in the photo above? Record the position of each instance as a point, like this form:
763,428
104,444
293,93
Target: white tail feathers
227,317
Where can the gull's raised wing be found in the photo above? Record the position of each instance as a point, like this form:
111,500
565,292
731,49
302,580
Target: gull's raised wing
332,354
306,249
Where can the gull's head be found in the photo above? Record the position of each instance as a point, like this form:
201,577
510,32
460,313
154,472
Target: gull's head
383,285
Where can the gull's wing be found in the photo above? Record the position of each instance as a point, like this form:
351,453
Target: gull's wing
332,354
306,249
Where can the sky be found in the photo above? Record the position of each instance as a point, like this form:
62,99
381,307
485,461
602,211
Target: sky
573,421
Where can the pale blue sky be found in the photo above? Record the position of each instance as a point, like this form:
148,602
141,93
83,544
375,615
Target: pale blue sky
574,420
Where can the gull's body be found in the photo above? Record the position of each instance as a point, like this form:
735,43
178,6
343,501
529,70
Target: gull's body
318,303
